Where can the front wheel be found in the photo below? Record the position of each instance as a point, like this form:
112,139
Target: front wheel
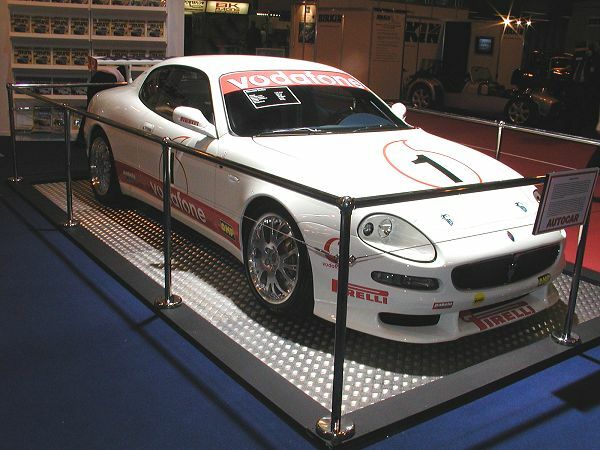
521,111
105,184
277,264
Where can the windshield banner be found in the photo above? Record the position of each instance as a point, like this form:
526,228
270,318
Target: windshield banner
239,81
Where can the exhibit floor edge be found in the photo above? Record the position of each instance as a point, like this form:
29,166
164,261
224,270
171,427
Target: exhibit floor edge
372,422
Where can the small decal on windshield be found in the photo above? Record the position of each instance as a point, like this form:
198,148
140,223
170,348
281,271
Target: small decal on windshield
272,96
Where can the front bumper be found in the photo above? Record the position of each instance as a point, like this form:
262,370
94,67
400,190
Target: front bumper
446,313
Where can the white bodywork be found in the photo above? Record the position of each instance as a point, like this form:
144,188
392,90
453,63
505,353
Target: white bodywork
463,229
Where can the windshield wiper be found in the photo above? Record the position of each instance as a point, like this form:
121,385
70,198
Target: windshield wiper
381,126
291,131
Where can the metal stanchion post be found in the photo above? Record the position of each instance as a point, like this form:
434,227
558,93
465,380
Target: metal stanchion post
13,138
499,139
169,300
67,124
336,428
567,337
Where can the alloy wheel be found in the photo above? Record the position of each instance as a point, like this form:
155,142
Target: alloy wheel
273,258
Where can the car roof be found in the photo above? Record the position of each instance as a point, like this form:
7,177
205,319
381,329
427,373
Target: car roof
217,65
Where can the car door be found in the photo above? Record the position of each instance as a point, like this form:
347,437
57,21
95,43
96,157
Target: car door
192,178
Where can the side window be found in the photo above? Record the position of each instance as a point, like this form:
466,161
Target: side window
167,88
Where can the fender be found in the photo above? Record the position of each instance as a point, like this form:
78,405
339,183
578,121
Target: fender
545,102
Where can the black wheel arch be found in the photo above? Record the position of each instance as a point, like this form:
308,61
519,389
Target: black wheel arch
255,207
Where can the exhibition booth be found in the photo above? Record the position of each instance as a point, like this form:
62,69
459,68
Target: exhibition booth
338,385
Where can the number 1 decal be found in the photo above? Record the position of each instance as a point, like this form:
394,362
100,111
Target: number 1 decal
424,159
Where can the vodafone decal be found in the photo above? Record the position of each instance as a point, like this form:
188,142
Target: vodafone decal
238,81
191,207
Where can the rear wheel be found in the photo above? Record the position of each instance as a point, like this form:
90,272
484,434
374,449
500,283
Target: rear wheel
421,96
276,262
104,181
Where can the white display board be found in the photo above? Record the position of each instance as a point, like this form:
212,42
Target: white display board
387,47
566,200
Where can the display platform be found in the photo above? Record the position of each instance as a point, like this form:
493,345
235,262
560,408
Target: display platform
288,363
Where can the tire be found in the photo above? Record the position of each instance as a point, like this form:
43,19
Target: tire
521,111
277,264
103,175
421,96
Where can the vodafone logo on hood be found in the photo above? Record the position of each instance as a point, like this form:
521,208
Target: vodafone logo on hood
239,81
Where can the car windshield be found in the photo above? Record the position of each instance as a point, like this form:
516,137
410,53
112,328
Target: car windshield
312,109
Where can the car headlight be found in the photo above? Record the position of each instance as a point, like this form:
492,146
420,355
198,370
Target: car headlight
394,235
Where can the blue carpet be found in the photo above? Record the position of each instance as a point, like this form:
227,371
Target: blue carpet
84,365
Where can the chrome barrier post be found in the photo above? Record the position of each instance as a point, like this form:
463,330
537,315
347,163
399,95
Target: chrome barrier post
169,300
567,337
13,138
500,126
67,126
336,428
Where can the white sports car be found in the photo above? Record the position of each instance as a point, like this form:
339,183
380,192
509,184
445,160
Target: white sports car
423,271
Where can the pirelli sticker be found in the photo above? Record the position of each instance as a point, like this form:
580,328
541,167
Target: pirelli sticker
566,200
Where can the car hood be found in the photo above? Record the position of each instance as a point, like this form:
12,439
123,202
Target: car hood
368,164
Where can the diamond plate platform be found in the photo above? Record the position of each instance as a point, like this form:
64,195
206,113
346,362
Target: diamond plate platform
212,283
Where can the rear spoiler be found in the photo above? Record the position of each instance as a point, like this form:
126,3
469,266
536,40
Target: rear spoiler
128,63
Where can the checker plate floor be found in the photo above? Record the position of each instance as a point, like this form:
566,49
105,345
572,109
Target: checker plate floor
212,283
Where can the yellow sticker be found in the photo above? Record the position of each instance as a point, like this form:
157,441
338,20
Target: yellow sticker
544,279
478,298
227,230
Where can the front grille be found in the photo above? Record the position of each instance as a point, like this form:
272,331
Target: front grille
505,269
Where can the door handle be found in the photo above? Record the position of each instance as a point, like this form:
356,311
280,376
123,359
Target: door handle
148,127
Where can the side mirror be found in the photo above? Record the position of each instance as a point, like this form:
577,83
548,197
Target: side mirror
399,109
194,120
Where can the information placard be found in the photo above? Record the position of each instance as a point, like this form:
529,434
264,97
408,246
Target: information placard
566,200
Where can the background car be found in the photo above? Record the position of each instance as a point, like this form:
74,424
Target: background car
477,93
423,271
